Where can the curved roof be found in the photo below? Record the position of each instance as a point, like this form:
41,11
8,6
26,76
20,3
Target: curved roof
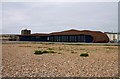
98,37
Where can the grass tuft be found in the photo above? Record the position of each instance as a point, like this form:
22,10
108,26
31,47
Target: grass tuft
43,52
50,48
59,53
38,52
73,52
25,46
84,55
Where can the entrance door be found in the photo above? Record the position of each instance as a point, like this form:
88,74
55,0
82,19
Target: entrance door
85,38
88,39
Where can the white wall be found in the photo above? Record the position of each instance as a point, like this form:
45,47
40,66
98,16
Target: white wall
113,36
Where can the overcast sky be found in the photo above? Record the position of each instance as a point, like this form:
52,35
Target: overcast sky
46,17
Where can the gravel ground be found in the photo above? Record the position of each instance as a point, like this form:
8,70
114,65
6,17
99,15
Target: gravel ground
19,60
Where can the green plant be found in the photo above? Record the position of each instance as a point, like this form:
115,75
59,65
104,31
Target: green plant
51,52
73,52
82,49
84,55
59,53
39,47
25,46
43,52
38,52
50,49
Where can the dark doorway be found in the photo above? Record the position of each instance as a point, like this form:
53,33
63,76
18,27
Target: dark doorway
88,39
71,38
85,38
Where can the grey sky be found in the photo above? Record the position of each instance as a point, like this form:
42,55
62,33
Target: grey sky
48,17
59,0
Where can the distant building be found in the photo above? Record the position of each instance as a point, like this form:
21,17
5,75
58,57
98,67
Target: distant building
33,37
25,32
8,37
114,37
72,35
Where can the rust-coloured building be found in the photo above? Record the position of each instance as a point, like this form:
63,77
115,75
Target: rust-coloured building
72,35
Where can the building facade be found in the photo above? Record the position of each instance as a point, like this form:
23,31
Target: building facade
33,37
71,38
25,32
8,37
114,37
85,36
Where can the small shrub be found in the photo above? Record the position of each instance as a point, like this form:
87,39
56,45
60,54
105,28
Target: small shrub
38,52
25,46
39,47
82,49
51,52
73,52
50,49
84,55
43,52
59,53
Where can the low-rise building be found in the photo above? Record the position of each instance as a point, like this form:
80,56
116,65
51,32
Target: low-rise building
114,37
8,37
85,36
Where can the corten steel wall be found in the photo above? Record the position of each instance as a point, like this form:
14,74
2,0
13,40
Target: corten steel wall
98,37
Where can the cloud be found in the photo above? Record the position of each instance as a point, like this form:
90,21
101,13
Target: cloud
14,16
56,16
